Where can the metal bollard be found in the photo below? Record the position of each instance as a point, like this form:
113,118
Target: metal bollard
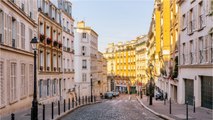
12,116
91,98
43,112
59,108
52,110
82,100
187,110
164,101
194,104
69,104
64,105
170,106
86,99
79,100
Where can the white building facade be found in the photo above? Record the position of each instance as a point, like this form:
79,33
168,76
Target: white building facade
85,50
18,25
68,49
196,53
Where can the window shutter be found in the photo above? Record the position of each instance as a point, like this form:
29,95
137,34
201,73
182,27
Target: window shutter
2,85
195,16
188,22
8,80
17,34
10,30
5,28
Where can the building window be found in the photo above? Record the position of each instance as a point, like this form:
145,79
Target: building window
23,80
54,62
64,64
40,88
201,51
41,56
183,21
13,80
201,15
59,62
84,77
68,64
1,26
48,61
191,52
84,35
48,87
54,86
22,36
30,38
2,85
184,50
83,50
84,64
14,32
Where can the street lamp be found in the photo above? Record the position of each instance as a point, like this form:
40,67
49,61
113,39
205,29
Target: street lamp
91,86
151,84
34,109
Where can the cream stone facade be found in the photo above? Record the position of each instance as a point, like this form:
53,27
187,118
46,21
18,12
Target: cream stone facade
18,25
86,40
141,62
196,52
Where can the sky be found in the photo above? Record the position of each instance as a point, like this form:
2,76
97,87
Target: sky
114,20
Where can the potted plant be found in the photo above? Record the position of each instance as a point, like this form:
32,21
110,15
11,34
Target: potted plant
49,40
55,43
42,37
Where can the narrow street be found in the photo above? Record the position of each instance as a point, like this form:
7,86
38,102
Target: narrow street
124,107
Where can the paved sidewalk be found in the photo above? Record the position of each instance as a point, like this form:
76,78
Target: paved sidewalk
178,110
25,114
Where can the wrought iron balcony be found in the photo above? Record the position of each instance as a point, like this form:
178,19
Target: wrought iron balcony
201,56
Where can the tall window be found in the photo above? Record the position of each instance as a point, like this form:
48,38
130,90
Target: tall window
68,64
2,86
23,81
22,36
13,79
48,61
201,46
54,61
48,87
31,80
84,77
40,88
14,32
59,61
183,21
41,56
30,37
1,26
84,64
54,86
191,52
84,35
184,50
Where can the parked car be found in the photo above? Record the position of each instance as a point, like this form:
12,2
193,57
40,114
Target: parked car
159,96
108,95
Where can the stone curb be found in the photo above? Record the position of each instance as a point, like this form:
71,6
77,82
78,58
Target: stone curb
72,110
157,114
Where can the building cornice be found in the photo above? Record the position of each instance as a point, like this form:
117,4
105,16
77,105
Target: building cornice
16,50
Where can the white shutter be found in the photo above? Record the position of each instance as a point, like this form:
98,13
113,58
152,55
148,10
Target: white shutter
8,80
17,34
10,30
2,84
26,78
5,28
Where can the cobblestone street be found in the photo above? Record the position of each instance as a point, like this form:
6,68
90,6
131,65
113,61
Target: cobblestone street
125,107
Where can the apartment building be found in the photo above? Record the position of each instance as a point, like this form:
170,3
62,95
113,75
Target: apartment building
121,59
100,85
109,55
141,62
50,79
86,40
67,22
18,25
196,53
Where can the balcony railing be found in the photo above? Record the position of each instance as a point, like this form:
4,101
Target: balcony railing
201,57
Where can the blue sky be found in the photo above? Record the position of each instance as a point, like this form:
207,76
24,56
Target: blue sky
114,20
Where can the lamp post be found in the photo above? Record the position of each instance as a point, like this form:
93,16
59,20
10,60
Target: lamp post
91,86
34,109
151,84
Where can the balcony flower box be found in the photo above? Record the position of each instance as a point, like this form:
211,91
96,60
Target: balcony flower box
42,37
49,40
41,68
55,43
